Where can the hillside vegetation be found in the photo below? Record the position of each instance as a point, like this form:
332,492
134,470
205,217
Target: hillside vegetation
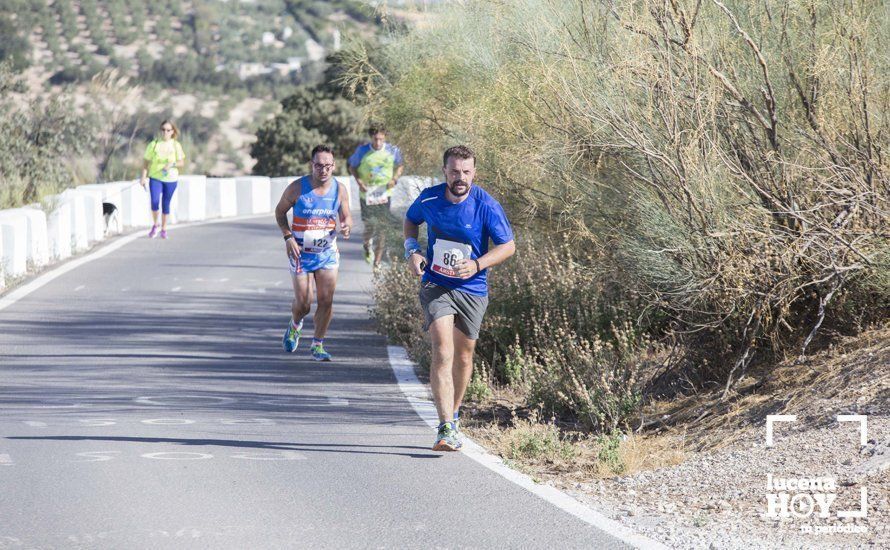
700,187
118,67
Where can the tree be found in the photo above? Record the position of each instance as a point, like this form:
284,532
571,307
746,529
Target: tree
309,117
39,142
13,46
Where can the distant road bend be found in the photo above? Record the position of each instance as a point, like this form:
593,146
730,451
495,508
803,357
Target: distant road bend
147,403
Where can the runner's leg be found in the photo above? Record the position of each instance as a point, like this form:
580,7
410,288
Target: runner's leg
168,189
379,245
368,232
463,365
301,303
325,285
155,187
441,377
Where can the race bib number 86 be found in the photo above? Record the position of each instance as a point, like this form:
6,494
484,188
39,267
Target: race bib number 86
447,255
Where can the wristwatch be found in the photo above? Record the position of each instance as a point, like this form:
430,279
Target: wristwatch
408,253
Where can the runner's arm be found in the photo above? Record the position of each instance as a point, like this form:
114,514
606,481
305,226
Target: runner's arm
144,178
415,261
496,255
288,198
396,176
354,173
345,214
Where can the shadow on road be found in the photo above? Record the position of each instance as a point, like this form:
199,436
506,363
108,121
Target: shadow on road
264,445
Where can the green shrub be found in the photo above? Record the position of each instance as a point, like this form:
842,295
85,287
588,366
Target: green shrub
609,454
39,139
478,389
530,440
726,188
14,46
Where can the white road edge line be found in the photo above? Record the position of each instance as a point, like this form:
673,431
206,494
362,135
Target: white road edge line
44,278
418,396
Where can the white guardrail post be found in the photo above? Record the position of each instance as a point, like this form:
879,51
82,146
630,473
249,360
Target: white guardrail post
254,195
58,227
222,198
78,204
31,238
37,245
14,243
191,193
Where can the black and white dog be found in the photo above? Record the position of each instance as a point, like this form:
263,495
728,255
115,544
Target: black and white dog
109,210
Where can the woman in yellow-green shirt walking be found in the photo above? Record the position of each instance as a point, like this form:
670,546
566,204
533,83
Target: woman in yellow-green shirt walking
160,171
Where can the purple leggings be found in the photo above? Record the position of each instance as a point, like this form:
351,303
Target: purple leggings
158,188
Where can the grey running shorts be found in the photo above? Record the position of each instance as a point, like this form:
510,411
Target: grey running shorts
439,301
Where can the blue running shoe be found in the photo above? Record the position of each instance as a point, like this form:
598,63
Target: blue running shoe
291,338
448,438
319,354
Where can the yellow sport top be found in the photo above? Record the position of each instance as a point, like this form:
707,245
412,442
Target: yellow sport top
159,153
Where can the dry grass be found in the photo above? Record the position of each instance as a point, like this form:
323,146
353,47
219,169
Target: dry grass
545,451
851,375
640,453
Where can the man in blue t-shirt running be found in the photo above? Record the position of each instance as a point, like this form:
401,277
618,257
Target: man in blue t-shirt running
460,219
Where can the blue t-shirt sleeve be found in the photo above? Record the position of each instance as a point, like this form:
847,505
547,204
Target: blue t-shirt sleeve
415,211
497,224
397,156
356,157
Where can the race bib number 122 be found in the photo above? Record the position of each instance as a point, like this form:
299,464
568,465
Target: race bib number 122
318,240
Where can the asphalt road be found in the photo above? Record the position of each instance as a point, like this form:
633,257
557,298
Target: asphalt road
147,403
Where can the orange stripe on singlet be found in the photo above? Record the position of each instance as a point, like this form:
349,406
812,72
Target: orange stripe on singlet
307,224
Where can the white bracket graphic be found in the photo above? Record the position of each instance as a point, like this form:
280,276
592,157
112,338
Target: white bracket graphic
863,440
770,418
863,425
863,506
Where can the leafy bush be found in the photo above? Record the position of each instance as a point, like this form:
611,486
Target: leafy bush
13,45
730,187
308,117
478,389
529,440
38,141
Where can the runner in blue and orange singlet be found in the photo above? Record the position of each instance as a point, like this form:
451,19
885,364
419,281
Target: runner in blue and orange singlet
318,202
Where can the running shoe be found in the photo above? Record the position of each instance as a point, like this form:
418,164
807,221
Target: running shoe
291,338
369,254
319,354
163,234
153,232
459,434
447,439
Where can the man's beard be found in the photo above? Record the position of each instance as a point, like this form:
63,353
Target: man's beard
451,187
